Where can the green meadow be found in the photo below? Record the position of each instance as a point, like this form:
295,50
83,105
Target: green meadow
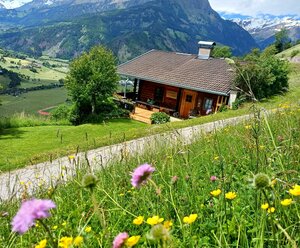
32,101
23,149
237,187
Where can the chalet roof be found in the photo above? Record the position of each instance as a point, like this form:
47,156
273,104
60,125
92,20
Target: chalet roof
181,70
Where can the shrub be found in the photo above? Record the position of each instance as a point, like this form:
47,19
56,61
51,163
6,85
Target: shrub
223,108
61,112
262,75
159,118
237,103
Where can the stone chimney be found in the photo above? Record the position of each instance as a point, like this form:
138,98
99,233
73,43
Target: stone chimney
205,49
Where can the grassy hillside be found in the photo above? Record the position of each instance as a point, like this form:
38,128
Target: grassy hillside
288,53
33,72
43,72
32,101
208,194
28,137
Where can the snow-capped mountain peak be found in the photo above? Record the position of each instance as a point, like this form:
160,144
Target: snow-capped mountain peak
12,4
256,24
264,27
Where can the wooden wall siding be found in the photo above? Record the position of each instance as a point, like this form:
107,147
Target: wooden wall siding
147,90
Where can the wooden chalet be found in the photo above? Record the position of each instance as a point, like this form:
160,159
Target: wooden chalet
180,84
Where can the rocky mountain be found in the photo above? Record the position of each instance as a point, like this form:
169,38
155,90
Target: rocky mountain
129,28
264,27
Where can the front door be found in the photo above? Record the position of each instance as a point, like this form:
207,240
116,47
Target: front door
187,103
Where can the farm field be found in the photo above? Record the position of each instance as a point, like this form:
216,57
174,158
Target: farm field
43,73
34,72
32,101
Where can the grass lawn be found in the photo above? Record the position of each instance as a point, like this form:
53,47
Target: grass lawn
36,144
20,146
32,101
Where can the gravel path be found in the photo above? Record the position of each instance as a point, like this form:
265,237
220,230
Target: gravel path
12,184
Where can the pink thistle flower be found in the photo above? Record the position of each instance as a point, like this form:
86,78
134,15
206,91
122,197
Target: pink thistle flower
120,240
29,212
213,178
141,174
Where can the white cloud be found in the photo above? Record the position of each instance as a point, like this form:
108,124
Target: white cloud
256,7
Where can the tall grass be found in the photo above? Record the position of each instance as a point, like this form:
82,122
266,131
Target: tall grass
27,120
182,185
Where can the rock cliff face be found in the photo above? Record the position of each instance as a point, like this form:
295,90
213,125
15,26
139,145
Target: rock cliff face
130,28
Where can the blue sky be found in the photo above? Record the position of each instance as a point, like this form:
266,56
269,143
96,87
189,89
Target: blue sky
256,7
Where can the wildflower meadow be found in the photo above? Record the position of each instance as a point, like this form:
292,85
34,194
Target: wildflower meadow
235,187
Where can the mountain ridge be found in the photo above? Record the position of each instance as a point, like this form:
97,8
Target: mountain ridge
264,27
170,25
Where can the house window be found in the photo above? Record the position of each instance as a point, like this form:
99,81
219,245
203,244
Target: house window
188,98
158,95
208,102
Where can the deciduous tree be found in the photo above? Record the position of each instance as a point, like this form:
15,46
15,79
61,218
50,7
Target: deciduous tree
92,79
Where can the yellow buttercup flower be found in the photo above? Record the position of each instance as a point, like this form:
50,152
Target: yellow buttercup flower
230,195
88,229
54,227
265,206
168,224
216,192
262,147
248,126
64,223
271,210
65,242
154,220
273,182
138,220
286,202
190,219
42,244
295,191
132,241
78,241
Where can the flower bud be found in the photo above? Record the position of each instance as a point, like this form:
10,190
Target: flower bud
89,181
261,181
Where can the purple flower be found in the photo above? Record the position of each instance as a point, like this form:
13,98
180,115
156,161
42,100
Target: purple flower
120,240
213,178
30,211
141,174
